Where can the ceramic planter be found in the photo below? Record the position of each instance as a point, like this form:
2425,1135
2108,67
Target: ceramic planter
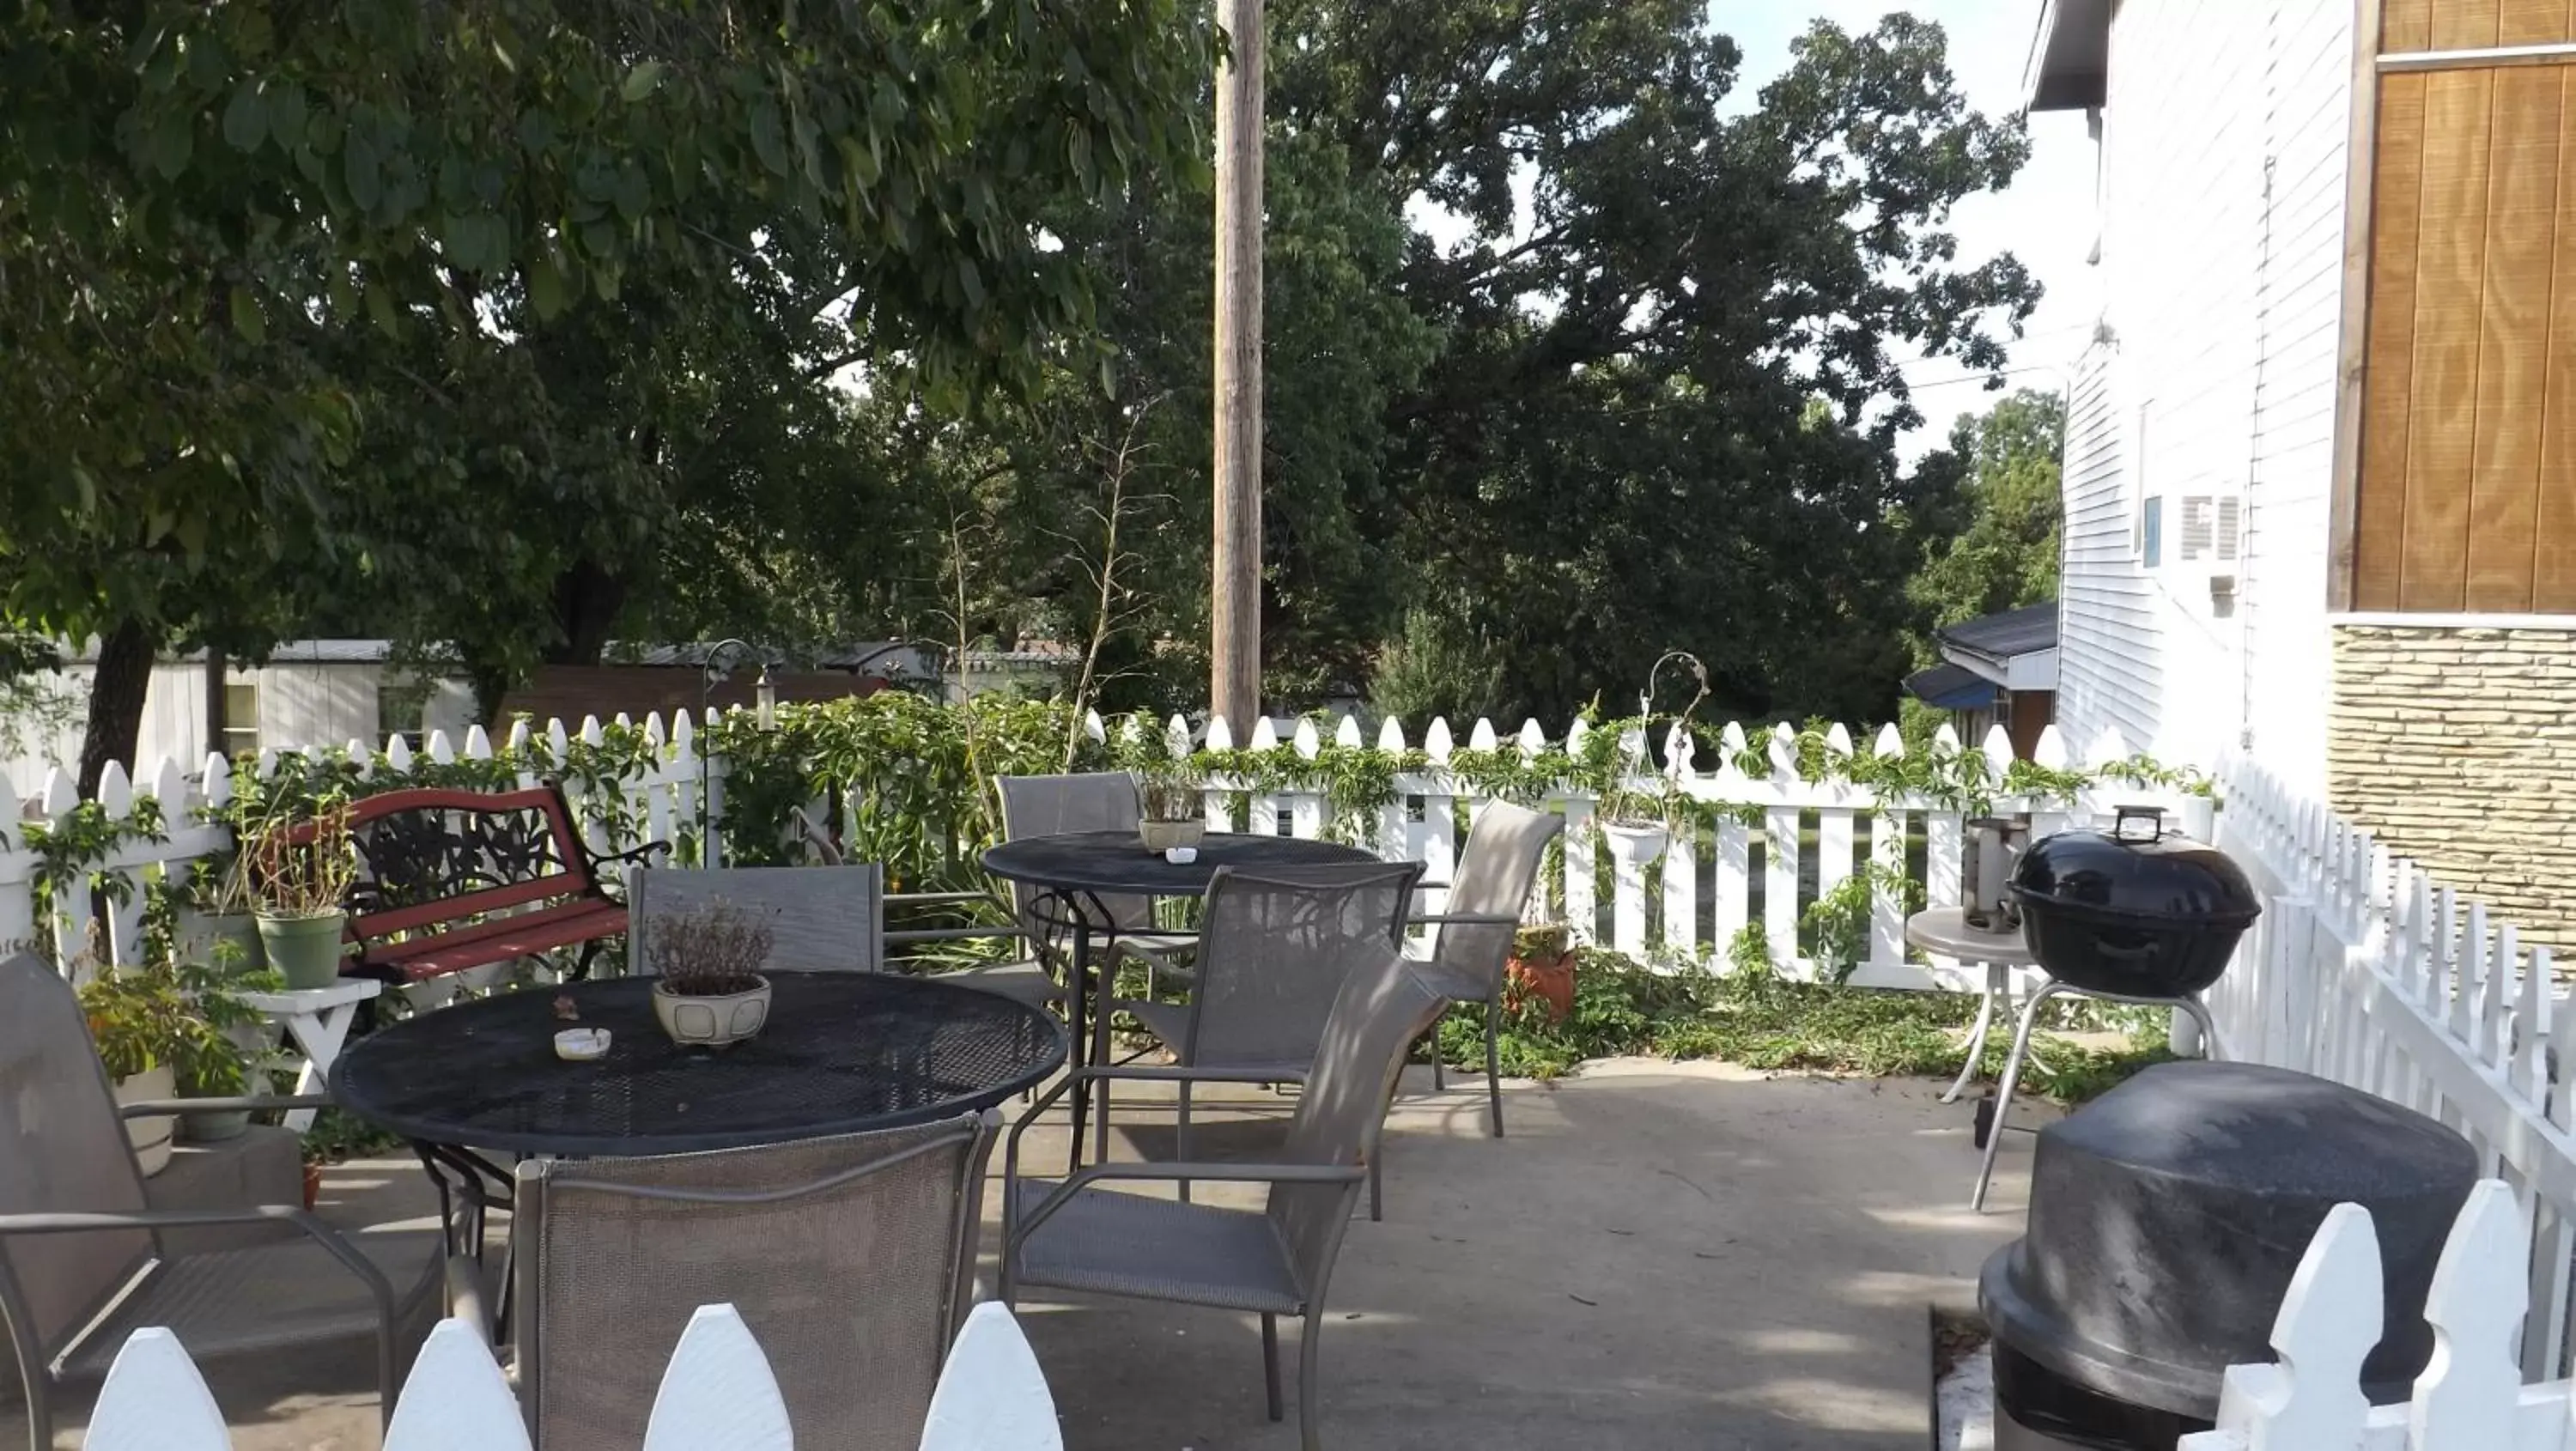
195,936
1165,835
1634,844
151,1137
1550,980
711,1022
213,1128
304,950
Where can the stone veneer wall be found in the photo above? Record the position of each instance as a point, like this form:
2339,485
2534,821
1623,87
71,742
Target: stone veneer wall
2457,747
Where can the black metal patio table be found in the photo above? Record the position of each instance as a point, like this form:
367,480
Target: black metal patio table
841,1053
1071,872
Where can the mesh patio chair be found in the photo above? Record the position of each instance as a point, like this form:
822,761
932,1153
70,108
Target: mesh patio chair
1090,801
824,919
82,1263
1274,951
1474,942
851,1259
1274,1261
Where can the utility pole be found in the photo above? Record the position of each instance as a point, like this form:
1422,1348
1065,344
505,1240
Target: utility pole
1234,677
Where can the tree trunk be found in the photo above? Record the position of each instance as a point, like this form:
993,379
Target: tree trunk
116,702
588,600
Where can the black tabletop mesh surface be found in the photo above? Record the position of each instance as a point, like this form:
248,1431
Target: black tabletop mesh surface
1117,861
842,1052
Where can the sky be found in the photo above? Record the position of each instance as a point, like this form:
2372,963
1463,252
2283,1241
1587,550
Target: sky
2046,218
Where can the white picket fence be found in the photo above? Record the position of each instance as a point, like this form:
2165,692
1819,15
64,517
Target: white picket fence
717,1394
660,802
2364,970
2470,1396
1686,905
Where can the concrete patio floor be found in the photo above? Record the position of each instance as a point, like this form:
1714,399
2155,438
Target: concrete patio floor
1659,1256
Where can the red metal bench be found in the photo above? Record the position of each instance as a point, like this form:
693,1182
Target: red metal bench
451,880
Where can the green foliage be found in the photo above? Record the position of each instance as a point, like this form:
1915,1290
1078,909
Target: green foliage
1759,1021
2001,549
1838,921
178,1014
453,318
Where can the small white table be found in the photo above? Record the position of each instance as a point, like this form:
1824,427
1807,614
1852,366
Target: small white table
1945,931
318,1019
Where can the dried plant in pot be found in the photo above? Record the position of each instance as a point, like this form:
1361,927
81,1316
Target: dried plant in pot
708,991
299,874
1175,815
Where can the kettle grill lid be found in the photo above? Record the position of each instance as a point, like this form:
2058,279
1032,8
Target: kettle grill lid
2136,869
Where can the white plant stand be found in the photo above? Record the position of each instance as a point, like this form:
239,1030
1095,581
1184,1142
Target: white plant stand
318,1019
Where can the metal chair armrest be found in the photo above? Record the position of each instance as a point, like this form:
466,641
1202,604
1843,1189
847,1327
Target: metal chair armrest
1115,1071
378,1287
1476,919
635,854
919,899
996,931
151,1107
1184,1172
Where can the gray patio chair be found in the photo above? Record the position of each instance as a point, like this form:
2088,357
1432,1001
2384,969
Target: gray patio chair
851,1259
1090,801
822,919
1474,942
82,1263
1274,951
1274,1261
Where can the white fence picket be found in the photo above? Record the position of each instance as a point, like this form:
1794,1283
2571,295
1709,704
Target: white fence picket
2471,1396
717,1393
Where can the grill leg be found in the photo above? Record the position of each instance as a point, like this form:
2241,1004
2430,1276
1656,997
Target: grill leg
1998,985
2004,1090
2199,1011
1270,1364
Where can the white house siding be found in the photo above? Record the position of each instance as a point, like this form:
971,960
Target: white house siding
2221,294
2108,671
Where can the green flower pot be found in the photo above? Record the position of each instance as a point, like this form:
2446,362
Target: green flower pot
304,950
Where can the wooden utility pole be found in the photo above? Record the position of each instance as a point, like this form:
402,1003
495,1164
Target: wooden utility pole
1234,677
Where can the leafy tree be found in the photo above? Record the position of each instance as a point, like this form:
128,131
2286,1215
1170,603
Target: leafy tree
2004,554
239,237
1665,412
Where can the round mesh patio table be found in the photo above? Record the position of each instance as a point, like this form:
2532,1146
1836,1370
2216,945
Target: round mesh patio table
841,1053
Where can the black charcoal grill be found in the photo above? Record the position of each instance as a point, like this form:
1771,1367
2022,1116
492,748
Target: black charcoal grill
2166,1221
2135,914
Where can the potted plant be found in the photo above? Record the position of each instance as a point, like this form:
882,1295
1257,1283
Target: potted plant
1175,814
212,913
298,875
1542,967
708,990
1637,823
154,1036
232,1062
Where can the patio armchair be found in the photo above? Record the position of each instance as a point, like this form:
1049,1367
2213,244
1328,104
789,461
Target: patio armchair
82,1263
1091,801
1473,940
850,1258
825,919
1274,951
1081,1234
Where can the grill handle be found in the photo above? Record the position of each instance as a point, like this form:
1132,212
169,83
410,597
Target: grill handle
2153,816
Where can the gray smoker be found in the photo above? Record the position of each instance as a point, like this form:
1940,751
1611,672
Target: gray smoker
2166,1220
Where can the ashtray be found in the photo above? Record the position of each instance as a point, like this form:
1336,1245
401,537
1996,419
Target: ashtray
1180,856
581,1045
